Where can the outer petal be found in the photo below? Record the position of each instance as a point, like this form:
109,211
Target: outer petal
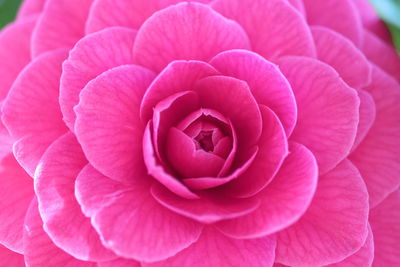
31,111
16,192
280,33
273,148
127,13
341,16
385,224
209,209
91,56
341,54
328,110
215,249
10,258
108,125
362,258
283,201
63,220
335,225
185,31
14,51
60,25
176,77
30,7
120,262
130,221
382,54
377,157
267,83
39,250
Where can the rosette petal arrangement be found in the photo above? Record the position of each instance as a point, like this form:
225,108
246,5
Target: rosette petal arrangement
199,133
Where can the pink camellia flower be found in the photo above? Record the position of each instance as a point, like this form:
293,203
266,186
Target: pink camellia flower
199,133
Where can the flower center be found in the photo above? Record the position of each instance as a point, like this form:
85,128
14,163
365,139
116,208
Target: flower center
204,141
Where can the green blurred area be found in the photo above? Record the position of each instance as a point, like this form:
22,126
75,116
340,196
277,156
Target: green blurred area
8,9
389,10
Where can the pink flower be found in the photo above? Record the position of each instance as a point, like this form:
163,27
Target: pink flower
202,133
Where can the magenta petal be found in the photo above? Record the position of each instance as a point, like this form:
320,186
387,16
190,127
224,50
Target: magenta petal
385,224
37,122
60,25
232,97
377,156
215,249
341,16
39,250
16,192
62,217
362,258
208,209
10,258
127,13
131,222
273,148
14,51
157,170
367,116
328,110
334,226
185,31
108,125
90,57
382,54
266,82
341,54
283,201
176,77
187,160
282,32
120,262
30,7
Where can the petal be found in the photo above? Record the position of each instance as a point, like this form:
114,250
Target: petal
31,111
178,76
127,13
14,51
298,4
382,54
185,31
10,258
158,170
267,84
120,262
16,192
385,224
328,110
90,57
341,54
283,201
231,252
39,250
108,125
60,25
63,220
335,225
131,222
282,32
367,116
377,157
340,16
273,149
30,7
209,209
362,258
232,98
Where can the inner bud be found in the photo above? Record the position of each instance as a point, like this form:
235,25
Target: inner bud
204,141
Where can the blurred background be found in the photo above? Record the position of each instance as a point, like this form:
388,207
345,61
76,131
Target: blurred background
389,10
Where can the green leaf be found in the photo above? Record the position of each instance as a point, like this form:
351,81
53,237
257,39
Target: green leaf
395,36
8,9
